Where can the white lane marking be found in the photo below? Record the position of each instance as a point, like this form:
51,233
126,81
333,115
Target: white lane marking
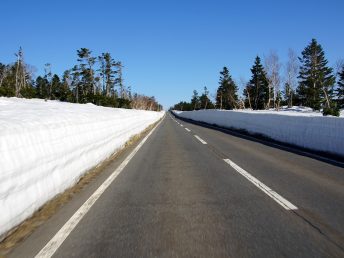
50,248
275,196
187,129
181,125
200,139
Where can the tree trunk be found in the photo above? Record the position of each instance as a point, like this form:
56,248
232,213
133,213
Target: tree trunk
249,99
326,97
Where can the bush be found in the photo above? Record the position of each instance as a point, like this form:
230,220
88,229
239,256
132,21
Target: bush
331,111
6,91
28,92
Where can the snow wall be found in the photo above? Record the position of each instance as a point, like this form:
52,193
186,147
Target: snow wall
312,132
45,147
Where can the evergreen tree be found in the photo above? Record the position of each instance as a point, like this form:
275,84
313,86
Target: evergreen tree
316,79
2,73
80,84
20,73
86,72
7,81
257,90
109,74
65,92
204,99
42,87
195,100
48,77
56,87
101,70
76,84
340,89
226,96
119,80
183,106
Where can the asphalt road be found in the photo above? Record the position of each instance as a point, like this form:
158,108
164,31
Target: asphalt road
178,197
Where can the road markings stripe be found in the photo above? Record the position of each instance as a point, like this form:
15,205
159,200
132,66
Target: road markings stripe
200,139
51,247
275,196
181,125
187,129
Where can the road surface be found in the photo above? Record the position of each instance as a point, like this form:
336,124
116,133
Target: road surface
191,191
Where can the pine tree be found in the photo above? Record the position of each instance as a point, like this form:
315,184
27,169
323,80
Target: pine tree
226,96
7,80
340,89
316,78
76,83
119,80
20,74
204,99
56,87
257,90
195,100
107,73
101,71
2,73
65,93
42,88
87,74
48,77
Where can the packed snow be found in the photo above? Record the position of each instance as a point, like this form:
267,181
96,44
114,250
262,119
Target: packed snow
299,126
46,146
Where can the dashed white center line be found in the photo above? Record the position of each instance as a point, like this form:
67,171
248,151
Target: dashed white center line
187,129
200,139
275,196
181,125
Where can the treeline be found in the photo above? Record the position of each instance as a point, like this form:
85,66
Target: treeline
94,79
308,81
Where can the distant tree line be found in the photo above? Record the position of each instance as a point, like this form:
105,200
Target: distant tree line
94,79
308,81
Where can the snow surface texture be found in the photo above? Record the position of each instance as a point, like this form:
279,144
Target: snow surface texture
46,146
299,126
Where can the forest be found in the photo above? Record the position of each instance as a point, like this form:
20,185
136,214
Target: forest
93,79
308,81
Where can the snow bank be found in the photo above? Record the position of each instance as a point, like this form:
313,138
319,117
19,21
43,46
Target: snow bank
46,146
303,128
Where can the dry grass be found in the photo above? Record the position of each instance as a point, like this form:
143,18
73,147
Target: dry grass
22,231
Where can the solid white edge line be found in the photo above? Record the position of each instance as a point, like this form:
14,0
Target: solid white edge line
51,247
187,129
275,196
200,139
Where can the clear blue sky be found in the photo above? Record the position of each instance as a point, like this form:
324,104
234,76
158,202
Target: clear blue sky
169,48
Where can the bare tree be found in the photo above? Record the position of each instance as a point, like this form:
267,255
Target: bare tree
3,72
272,68
30,71
338,67
291,72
